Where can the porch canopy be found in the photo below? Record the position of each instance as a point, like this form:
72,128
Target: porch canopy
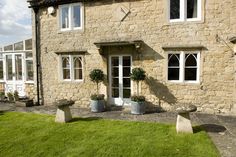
137,44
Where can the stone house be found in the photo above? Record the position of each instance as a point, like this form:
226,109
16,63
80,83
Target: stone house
185,46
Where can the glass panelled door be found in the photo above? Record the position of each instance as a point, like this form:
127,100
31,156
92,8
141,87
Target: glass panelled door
119,78
14,73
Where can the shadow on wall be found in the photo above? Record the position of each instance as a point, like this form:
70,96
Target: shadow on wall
146,53
160,91
150,54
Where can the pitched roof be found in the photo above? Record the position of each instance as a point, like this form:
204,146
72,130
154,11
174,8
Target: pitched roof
45,3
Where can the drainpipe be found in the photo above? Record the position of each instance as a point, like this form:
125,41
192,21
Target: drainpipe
36,9
37,53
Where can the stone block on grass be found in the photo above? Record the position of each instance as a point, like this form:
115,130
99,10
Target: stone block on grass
183,124
63,114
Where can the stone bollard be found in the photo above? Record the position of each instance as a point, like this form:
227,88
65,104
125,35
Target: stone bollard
183,124
63,114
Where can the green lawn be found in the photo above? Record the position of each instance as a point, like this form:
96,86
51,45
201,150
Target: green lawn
28,135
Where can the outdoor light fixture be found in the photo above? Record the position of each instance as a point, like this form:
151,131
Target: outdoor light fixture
51,10
31,2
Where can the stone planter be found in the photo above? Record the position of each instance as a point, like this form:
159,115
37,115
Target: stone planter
2,98
25,103
137,108
97,105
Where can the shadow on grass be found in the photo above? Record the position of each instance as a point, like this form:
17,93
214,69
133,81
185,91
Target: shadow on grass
197,129
214,128
85,119
2,113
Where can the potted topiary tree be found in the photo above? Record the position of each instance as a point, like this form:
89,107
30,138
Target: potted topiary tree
97,100
138,102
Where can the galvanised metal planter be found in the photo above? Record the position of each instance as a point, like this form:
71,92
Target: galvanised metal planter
138,108
97,105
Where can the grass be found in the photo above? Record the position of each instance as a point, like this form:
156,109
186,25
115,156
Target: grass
28,135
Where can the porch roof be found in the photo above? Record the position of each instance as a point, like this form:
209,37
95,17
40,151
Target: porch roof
137,44
46,3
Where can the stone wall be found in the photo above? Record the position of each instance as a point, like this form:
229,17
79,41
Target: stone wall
30,91
2,88
146,21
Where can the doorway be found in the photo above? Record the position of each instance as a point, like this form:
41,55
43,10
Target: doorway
120,85
13,64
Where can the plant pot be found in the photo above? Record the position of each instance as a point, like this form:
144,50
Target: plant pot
2,98
97,105
137,107
25,103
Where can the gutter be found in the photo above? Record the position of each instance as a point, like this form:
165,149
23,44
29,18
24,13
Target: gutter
36,9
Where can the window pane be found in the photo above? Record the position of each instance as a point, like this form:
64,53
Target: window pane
126,93
9,67
77,62
28,44
29,70
65,17
173,60
115,61
190,74
78,74
77,16
173,74
29,54
18,46
115,92
192,8
174,9
115,82
126,61
65,62
1,56
66,73
126,72
8,48
115,72
0,49
1,70
18,67
190,60
126,82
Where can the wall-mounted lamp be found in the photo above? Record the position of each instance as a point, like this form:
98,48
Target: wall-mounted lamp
51,10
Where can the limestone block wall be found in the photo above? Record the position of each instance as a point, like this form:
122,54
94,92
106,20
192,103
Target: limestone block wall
2,88
30,90
146,21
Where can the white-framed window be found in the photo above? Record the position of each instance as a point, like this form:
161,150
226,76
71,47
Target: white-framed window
71,16
71,67
185,10
29,67
183,66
